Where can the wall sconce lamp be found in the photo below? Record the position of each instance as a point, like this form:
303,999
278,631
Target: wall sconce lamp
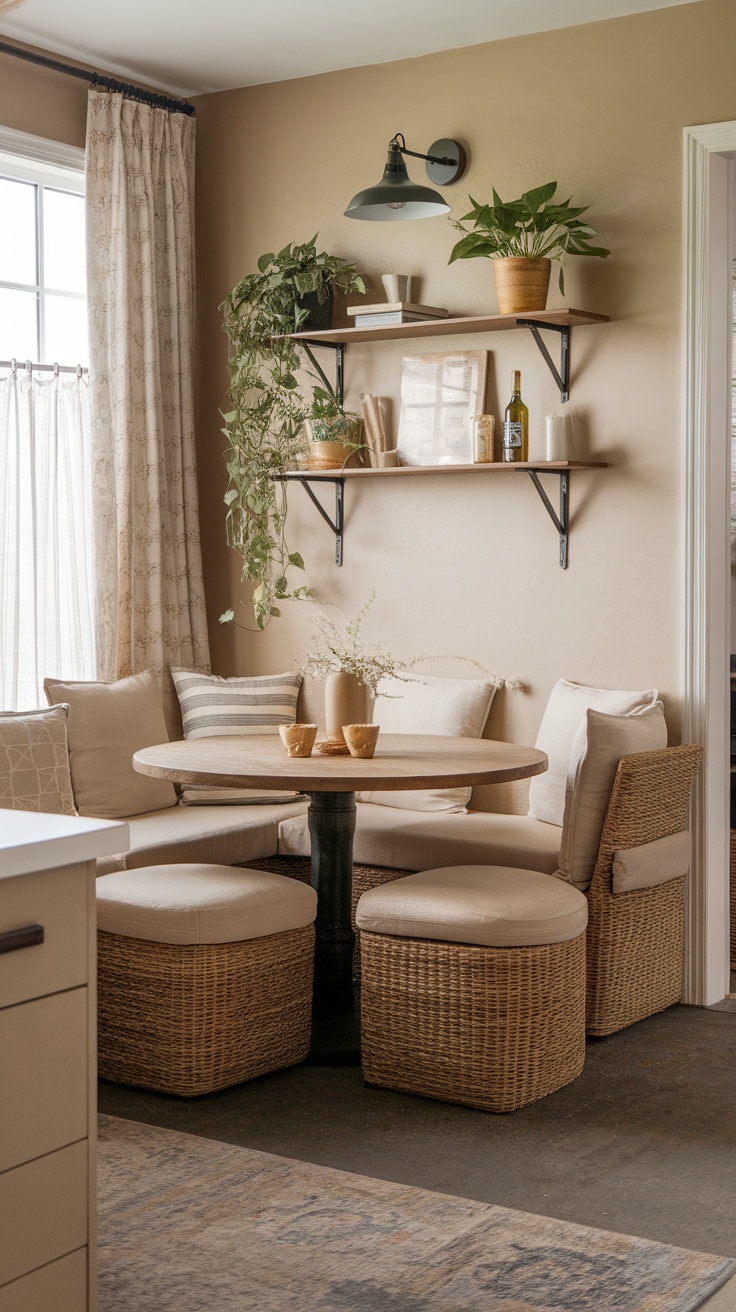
397,197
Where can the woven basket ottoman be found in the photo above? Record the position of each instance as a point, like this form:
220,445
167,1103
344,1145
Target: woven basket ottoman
473,985
204,975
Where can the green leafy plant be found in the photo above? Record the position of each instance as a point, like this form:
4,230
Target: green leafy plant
263,424
531,227
340,645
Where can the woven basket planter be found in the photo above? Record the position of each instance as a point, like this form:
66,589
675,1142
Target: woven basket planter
191,1019
521,284
494,1028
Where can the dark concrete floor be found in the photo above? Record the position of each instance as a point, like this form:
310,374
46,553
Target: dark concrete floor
644,1142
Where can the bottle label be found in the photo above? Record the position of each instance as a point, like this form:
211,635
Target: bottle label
511,435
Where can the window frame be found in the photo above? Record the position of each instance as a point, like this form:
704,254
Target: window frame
49,166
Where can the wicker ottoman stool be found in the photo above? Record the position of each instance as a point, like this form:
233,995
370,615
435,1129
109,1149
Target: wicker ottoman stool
204,975
473,985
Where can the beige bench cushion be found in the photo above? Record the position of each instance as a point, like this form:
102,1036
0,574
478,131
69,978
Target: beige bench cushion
228,835
108,722
496,906
651,863
202,904
404,840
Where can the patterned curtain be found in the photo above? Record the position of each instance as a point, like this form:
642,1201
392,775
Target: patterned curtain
140,242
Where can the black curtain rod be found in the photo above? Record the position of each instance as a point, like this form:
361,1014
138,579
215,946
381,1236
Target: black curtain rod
98,80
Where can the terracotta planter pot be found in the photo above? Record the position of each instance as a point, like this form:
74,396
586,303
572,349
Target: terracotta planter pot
521,285
346,702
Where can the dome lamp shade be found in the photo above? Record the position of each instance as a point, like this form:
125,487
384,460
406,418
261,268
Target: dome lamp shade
396,197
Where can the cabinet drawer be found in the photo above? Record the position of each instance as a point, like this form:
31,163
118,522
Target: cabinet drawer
58,900
43,1211
59,1287
43,1076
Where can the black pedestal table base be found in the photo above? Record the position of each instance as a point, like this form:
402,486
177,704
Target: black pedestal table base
336,1018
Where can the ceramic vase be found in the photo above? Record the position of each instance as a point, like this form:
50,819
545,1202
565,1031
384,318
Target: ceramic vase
347,701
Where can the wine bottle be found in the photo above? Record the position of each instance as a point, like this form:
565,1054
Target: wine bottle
516,425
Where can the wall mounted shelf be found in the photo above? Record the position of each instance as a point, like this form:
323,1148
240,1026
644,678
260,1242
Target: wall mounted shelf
561,468
559,321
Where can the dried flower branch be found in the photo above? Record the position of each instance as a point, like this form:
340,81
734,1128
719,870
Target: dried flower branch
344,648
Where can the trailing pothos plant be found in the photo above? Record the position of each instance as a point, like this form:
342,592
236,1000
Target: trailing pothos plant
531,227
263,423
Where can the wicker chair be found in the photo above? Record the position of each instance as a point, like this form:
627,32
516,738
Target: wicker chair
636,940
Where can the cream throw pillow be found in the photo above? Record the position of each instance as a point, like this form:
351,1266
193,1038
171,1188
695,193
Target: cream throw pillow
108,722
456,707
598,748
34,762
562,718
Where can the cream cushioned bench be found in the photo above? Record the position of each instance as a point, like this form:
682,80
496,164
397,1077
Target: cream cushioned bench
412,840
226,835
204,975
473,985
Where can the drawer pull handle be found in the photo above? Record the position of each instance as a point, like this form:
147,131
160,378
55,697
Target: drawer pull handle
13,939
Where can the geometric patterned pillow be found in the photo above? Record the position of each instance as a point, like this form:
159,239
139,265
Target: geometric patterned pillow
34,762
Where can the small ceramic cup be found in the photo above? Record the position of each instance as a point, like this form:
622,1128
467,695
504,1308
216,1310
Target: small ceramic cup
298,739
397,287
361,739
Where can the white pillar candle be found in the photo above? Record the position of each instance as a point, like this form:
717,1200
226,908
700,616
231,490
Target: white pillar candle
557,437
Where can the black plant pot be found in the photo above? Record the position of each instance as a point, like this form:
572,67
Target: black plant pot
319,313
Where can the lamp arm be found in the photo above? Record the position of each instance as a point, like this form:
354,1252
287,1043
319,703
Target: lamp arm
433,159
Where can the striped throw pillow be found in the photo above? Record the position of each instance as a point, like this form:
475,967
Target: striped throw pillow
212,707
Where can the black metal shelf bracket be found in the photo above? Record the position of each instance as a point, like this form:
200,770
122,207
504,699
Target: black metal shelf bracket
338,525
561,376
339,349
561,521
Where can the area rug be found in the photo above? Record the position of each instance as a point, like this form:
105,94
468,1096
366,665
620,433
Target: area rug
191,1225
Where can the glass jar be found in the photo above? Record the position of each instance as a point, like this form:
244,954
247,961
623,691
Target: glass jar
483,431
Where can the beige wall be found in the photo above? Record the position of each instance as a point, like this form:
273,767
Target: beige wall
48,104
461,563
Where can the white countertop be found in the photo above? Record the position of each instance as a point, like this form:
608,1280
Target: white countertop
35,840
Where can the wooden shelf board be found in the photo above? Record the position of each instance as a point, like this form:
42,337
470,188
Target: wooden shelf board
540,466
476,323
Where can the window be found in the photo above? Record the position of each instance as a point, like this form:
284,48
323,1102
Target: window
43,307
46,583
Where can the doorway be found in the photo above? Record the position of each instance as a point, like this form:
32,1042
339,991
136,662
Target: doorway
709,250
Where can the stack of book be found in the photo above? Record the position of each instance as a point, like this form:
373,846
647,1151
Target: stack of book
370,316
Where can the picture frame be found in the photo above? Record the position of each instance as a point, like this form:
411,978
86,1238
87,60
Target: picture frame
440,395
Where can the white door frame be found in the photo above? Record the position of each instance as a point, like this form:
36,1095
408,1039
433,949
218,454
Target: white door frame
708,249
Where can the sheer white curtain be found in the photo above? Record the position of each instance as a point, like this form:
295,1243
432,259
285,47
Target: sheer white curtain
140,243
46,589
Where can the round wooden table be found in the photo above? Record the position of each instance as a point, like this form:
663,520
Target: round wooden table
402,761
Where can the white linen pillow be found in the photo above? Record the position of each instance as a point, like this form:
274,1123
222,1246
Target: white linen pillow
213,707
564,713
598,748
455,707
